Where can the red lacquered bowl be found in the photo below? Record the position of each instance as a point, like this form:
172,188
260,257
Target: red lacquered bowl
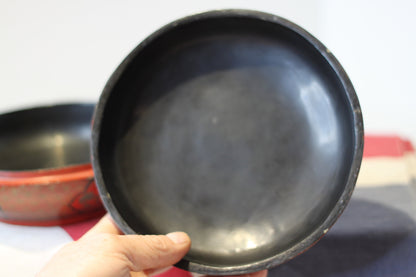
45,173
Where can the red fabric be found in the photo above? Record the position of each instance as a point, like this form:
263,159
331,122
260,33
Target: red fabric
76,230
175,272
408,146
386,146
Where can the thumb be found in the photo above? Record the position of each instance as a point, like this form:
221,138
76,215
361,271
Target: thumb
152,252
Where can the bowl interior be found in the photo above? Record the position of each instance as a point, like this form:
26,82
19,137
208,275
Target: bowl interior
233,129
45,137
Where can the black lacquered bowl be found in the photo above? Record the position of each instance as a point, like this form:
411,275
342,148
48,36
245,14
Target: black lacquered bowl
235,126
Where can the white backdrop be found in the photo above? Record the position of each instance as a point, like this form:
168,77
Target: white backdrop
64,51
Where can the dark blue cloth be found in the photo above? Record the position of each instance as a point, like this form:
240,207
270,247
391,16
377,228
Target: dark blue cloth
375,236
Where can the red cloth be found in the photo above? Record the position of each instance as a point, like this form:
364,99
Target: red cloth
388,146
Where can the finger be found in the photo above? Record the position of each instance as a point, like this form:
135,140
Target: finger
154,252
152,272
138,274
105,225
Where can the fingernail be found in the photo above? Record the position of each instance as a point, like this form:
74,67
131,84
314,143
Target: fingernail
178,237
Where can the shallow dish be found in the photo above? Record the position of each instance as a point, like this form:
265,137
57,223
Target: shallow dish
46,177
235,126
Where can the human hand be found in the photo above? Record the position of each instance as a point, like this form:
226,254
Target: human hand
105,251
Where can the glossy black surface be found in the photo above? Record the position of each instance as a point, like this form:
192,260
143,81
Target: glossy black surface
236,127
45,137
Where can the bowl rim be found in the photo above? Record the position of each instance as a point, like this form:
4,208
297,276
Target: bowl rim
46,177
49,174
358,140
